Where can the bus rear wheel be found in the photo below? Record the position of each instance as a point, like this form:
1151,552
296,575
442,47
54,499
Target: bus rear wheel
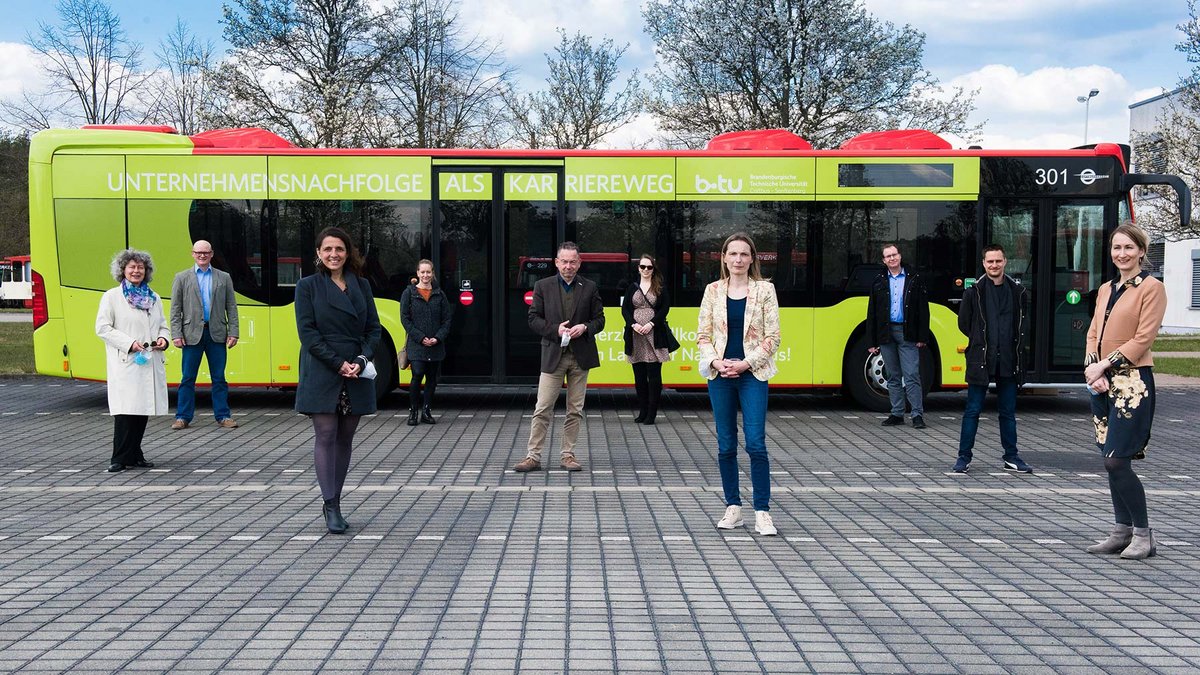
865,376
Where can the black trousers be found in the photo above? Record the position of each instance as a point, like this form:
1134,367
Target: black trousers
428,370
128,431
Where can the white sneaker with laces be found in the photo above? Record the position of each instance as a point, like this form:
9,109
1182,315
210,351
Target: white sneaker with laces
731,519
763,524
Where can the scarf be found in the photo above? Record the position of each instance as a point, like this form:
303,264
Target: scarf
140,296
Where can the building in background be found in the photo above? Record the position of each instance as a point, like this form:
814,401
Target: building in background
1176,263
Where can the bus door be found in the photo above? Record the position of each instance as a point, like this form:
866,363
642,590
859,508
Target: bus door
496,229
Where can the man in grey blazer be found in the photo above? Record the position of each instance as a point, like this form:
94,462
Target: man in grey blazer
204,324
567,313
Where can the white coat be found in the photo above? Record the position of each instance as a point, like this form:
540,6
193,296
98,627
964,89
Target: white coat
133,389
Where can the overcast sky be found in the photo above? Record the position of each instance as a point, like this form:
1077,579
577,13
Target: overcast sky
1029,59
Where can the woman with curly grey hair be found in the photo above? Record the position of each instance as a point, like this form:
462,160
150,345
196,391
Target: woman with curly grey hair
135,332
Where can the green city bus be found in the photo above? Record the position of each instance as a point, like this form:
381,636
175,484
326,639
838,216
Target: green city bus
491,220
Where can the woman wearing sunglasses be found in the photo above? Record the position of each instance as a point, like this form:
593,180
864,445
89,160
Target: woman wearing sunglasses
648,338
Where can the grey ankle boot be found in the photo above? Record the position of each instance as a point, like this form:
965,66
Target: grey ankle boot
1142,546
1117,540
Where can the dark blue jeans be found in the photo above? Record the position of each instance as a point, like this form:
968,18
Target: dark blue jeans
1006,401
216,354
750,394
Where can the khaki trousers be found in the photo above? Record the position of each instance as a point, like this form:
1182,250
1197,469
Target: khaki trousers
549,386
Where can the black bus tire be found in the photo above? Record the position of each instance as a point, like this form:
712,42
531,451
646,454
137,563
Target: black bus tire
865,378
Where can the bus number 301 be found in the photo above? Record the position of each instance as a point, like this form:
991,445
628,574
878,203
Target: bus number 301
1051,176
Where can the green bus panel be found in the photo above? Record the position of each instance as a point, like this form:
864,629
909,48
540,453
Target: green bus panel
907,178
285,342
531,187
89,234
350,177
745,178
475,186
620,178
85,349
89,176
160,227
194,177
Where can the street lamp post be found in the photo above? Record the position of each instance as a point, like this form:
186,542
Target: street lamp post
1087,105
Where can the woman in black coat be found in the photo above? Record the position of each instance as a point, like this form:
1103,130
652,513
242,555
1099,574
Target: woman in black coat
339,333
648,338
425,313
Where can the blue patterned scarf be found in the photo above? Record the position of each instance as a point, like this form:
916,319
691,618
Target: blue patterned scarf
140,296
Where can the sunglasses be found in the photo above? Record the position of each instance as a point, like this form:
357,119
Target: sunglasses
645,267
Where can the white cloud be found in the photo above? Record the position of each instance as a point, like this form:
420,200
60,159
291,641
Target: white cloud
19,70
527,28
1039,109
943,17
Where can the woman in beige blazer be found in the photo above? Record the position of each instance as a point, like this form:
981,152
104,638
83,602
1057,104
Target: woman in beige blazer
1120,375
738,336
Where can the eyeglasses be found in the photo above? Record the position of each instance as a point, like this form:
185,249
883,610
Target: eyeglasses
202,253
645,267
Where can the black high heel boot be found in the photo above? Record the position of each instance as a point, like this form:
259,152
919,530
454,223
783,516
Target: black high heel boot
641,403
652,406
427,416
412,417
332,511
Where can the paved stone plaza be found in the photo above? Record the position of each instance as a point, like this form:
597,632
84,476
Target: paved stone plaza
217,559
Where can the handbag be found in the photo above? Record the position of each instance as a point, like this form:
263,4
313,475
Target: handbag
402,358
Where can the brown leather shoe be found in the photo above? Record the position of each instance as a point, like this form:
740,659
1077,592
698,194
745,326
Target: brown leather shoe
570,464
227,423
179,424
527,464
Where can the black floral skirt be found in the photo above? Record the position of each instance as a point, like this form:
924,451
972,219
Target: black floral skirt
1123,416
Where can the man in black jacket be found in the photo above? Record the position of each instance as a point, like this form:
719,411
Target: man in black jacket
898,326
994,315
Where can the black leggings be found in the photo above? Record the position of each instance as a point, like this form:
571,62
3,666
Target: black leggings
332,437
1128,495
647,377
429,370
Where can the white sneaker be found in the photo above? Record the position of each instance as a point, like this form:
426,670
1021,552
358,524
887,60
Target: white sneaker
732,518
763,524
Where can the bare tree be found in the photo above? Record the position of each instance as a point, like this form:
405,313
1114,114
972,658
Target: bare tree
825,69
441,88
301,68
180,92
1173,146
580,106
91,66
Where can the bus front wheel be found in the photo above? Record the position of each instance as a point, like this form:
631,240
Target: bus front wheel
865,376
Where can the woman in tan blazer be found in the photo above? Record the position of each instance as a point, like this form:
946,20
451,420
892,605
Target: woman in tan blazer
738,336
1120,375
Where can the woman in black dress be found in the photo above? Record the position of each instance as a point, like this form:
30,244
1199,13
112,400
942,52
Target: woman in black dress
425,313
339,333
648,338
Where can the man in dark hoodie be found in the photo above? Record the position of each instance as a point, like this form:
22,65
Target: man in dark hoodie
994,315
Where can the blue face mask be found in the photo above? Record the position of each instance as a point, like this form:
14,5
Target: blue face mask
141,358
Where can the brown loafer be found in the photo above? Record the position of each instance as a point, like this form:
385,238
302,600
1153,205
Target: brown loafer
179,424
570,464
527,464
227,423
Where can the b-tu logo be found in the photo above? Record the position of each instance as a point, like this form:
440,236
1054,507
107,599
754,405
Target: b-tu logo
721,184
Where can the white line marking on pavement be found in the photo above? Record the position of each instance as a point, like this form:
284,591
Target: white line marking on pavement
306,537
989,542
9,413
426,471
952,474
502,415
460,415
808,540
593,414
245,537
689,471
739,538
271,414
614,538
1003,474
56,537
1043,474
1077,419
24,470
1176,420
181,537
430,537
1180,477
367,537
548,537
676,537
1088,475
787,417
160,471
247,470
645,471
910,473
492,537
381,471
822,473
76,413
293,470
850,417
69,470
862,540
867,473
692,417
1045,419
604,471
1175,542
780,473
118,537
469,471
1049,541
920,540
203,470
41,413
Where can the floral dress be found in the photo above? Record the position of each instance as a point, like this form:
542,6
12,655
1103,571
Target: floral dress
1124,414
644,350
